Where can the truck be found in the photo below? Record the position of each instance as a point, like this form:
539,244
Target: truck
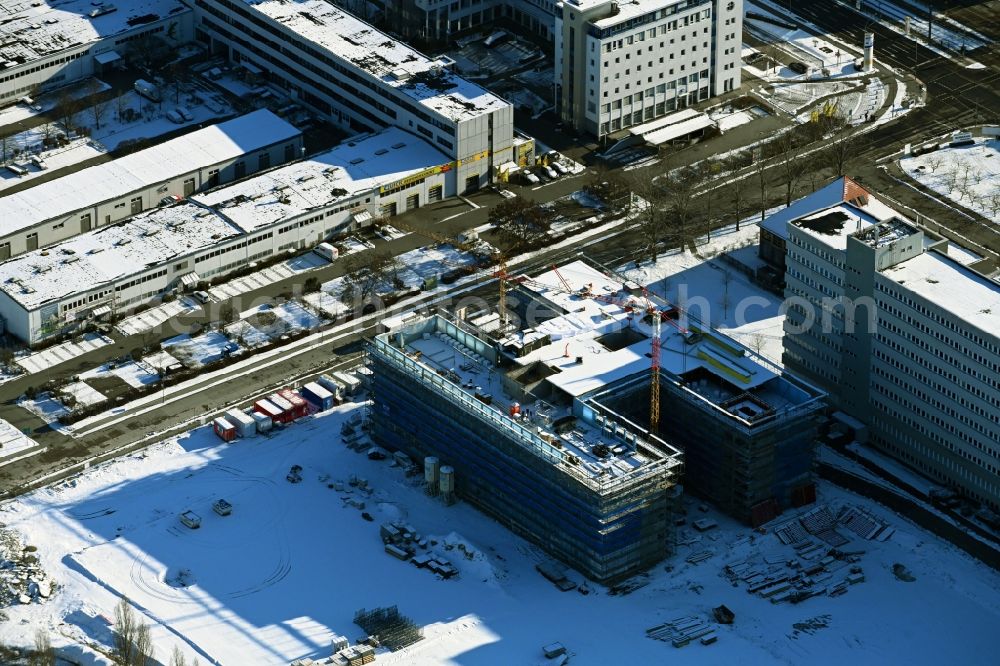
317,395
147,90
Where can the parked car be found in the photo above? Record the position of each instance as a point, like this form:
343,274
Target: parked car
561,168
531,179
174,117
185,114
169,199
202,297
798,67
550,172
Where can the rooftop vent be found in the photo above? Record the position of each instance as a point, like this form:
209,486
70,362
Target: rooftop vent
70,260
151,232
399,145
381,151
43,269
357,160
124,241
307,177
96,250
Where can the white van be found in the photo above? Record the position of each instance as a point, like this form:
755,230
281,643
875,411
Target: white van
328,252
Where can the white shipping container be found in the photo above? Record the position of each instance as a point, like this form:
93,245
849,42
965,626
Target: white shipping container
263,421
246,426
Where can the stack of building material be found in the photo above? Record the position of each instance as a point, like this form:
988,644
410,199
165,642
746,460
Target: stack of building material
681,631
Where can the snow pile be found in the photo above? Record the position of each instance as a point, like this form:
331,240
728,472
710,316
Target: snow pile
968,175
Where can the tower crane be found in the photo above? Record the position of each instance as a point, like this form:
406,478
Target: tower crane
646,306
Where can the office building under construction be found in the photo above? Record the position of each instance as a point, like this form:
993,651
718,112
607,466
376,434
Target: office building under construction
544,427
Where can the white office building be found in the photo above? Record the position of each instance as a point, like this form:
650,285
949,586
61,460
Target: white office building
904,334
47,43
362,79
622,64
116,268
100,195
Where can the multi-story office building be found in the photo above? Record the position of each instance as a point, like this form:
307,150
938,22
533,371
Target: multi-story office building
440,19
621,64
106,193
904,334
547,426
44,43
362,79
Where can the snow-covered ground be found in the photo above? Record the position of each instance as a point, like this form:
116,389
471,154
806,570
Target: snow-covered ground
62,352
246,335
13,443
45,406
134,373
716,292
197,351
288,569
76,151
288,317
84,393
156,315
270,275
968,175
151,117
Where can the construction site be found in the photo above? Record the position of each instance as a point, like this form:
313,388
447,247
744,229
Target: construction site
576,429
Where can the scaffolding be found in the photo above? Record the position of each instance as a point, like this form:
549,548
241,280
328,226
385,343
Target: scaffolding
609,527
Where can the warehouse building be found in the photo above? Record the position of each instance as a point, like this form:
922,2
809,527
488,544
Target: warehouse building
902,331
116,268
363,80
541,428
622,64
45,43
100,195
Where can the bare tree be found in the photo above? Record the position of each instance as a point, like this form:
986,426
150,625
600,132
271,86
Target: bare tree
757,341
679,191
121,104
133,646
365,272
6,143
520,223
738,200
650,218
761,170
790,163
839,152
98,101
177,657
67,108
43,654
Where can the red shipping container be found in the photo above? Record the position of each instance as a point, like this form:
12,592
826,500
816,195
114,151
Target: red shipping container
268,408
287,409
299,405
224,429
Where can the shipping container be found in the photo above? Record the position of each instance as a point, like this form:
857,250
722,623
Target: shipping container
263,421
245,425
287,409
317,395
299,405
224,429
350,382
333,386
268,408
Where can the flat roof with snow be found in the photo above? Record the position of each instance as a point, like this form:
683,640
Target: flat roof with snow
589,351
844,196
109,254
360,165
118,178
32,29
956,289
381,57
